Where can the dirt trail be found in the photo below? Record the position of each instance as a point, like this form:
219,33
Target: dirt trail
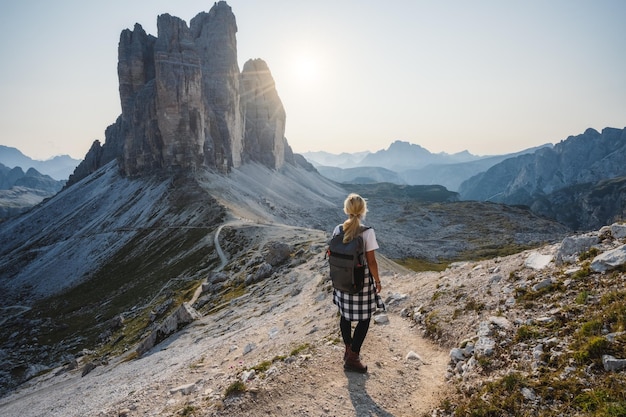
189,373
318,385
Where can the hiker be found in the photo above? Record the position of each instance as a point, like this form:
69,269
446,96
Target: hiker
358,307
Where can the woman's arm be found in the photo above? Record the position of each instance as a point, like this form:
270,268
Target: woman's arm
373,267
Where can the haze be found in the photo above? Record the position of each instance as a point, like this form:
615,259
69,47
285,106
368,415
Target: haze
490,77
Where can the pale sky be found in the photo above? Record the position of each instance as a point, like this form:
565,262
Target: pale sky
490,77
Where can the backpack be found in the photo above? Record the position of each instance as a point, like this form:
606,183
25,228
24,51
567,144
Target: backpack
346,261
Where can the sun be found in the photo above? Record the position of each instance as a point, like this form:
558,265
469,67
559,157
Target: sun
306,68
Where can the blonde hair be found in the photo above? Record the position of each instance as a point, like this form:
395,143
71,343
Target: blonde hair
355,207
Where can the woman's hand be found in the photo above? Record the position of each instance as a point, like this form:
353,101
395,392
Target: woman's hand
378,286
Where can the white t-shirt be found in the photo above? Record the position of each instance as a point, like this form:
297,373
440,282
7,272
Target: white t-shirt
369,238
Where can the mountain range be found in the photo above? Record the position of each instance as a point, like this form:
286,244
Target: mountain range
183,261
578,182
59,167
406,163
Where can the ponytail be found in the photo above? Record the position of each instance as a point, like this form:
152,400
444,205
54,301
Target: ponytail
355,207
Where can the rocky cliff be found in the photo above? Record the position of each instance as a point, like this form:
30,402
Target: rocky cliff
550,176
185,104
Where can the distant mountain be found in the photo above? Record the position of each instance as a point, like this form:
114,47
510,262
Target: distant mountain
60,167
342,160
405,163
360,175
404,155
570,171
19,190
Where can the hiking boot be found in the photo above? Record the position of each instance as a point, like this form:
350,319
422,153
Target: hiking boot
345,354
353,363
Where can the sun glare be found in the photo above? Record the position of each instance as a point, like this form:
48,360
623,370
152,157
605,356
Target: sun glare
306,68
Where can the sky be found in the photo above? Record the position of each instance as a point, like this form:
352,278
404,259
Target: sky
487,76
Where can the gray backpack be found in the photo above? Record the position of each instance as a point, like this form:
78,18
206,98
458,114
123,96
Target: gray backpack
347,262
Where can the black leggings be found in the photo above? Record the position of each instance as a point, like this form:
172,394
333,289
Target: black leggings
360,331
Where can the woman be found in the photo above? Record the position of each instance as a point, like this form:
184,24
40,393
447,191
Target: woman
358,307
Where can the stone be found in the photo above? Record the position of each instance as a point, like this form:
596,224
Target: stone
572,246
537,261
500,321
264,115
381,319
185,104
485,346
278,253
543,284
183,315
609,260
184,389
412,356
612,364
618,230
457,355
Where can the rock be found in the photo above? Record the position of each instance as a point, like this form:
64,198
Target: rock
183,315
249,348
500,321
612,364
184,389
263,271
89,366
572,246
618,230
457,355
186,105
381,319
412,356
529,394
247,375
609,260
264,115
543,284
485,346
278,253
537,261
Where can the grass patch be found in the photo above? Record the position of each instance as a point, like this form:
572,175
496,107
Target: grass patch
421,265
235,388
300,349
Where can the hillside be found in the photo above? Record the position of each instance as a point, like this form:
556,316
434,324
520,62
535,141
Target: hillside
272,347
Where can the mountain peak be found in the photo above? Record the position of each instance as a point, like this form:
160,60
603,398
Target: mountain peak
185,104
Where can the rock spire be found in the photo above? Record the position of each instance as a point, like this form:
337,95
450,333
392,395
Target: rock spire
185,104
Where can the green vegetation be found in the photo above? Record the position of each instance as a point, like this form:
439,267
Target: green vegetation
235,388
569,378
420,265
300,349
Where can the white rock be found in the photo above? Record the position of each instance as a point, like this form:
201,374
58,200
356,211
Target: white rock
247,375
609,259
618,230
381,319
537,261
412,356
529,394
500,321
184,389
456,354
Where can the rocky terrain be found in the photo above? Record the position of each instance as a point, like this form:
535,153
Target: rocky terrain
514,335
181,272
